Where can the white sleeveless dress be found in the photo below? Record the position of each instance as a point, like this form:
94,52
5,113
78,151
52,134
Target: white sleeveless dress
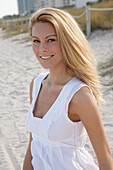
58,143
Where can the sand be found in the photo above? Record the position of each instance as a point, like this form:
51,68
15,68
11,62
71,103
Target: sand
18,66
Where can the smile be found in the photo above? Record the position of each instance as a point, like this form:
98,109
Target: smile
47,57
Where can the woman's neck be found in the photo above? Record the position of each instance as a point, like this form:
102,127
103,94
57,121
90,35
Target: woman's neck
59,76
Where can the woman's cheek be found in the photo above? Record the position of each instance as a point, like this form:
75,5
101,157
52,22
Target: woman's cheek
35,49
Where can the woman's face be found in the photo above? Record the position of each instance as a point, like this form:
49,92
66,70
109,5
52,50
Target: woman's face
45,45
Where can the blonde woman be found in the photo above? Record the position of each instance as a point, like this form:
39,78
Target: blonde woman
64,101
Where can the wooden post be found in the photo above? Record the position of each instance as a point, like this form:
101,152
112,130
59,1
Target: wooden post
88,25
17,23
3,24
27,23
8,24
21,23
14,23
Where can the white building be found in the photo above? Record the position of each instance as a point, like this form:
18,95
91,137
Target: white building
25,6
60,3
82,3
52,3
41,4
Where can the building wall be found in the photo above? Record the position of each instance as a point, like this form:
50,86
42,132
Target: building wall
51,3
41,4
63,3
20,6
25,6
82,3
60,3
29,5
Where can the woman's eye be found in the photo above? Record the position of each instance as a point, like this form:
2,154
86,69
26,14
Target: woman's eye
51,40
36,41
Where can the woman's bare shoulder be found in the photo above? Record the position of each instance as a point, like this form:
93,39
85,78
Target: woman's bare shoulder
83,103
83,96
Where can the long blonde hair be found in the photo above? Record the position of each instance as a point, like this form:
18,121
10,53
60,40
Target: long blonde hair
76,51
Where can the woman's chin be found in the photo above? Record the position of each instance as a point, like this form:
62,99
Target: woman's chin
45,67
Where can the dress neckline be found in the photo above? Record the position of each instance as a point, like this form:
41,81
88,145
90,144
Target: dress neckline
54,103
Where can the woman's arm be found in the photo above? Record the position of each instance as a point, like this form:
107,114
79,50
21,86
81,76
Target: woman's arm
28,158
27,161
84,106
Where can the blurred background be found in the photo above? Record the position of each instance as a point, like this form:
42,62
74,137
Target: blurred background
15,14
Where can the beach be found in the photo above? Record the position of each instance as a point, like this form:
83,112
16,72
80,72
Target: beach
18,66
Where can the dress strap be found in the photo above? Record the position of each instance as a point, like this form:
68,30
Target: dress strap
75,86
37,82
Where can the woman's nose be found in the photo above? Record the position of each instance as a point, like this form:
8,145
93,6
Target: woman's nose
43,47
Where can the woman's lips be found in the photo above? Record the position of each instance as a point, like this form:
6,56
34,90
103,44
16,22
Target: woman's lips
46,57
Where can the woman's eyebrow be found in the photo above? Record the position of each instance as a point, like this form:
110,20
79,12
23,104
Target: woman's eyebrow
46,36
51,35
34,36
